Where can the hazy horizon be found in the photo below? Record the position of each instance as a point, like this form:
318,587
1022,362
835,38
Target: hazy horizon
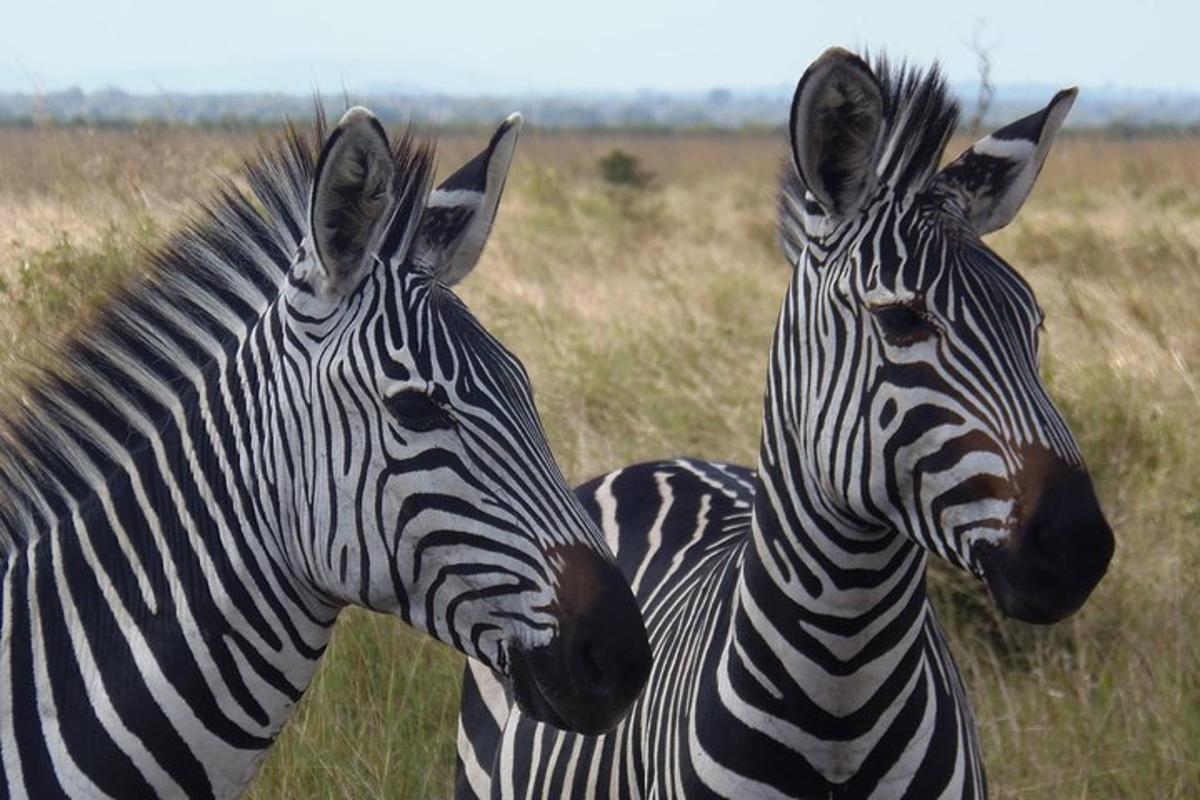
540,47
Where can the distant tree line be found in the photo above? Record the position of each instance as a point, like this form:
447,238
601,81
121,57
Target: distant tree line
719,109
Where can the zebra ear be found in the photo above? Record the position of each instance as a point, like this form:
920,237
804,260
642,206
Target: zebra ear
459,214
352,190
991,180
837,130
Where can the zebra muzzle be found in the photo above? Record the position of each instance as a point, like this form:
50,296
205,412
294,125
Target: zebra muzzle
593,670
1060,550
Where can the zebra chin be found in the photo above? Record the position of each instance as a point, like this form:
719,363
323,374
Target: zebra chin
1060,551
593,670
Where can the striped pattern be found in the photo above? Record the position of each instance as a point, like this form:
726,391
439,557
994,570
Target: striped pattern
796,651
230,454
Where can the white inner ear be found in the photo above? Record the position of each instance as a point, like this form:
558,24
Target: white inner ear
1012,149
991,195
469,212
451,197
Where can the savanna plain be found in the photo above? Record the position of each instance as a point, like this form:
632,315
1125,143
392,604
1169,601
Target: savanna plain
642,304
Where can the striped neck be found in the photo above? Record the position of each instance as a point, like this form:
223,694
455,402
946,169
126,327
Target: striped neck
831,601
806,545
184,610
831,624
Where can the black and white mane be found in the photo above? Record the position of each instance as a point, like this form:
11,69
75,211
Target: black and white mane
197,298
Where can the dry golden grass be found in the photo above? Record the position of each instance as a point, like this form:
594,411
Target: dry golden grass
644,318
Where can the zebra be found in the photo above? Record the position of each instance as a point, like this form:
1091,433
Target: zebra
290,413
796,653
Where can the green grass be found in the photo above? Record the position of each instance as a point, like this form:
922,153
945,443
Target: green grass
644,316
377,722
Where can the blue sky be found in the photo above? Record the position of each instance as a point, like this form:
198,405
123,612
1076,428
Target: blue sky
559,46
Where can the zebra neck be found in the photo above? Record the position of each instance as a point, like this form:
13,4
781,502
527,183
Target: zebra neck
832,613
817,588
181,609
835,656
125,677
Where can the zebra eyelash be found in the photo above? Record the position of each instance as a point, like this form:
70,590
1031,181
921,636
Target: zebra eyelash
904,324
419,411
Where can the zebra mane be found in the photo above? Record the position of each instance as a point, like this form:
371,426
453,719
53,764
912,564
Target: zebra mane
919,117
117,382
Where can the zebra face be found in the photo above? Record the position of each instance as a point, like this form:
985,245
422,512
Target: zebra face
429,491
923,408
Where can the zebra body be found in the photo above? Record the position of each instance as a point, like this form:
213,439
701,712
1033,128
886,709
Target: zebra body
292,413
796,654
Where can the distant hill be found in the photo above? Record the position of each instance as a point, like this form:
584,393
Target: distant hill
717,108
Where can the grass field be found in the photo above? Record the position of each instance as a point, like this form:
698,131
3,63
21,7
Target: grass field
644,317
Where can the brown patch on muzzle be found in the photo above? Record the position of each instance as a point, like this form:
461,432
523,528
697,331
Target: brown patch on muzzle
579,577
595,668
1060,548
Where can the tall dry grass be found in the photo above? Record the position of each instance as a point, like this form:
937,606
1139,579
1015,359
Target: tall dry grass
644,318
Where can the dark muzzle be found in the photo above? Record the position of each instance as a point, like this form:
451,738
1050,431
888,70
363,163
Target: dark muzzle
1060,550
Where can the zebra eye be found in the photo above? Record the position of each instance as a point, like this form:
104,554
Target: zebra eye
418,411
903,324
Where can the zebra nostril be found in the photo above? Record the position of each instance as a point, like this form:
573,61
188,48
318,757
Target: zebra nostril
602,640
1065,514
1050,547
606,662
1042,528
589,666
603,659
1065,543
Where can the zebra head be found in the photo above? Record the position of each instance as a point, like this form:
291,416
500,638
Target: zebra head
917,401
425,487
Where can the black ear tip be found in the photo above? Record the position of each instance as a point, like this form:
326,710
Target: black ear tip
511,125
841,57
837,65
1065,95
837,53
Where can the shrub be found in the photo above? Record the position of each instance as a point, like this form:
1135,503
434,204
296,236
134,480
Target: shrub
623,169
